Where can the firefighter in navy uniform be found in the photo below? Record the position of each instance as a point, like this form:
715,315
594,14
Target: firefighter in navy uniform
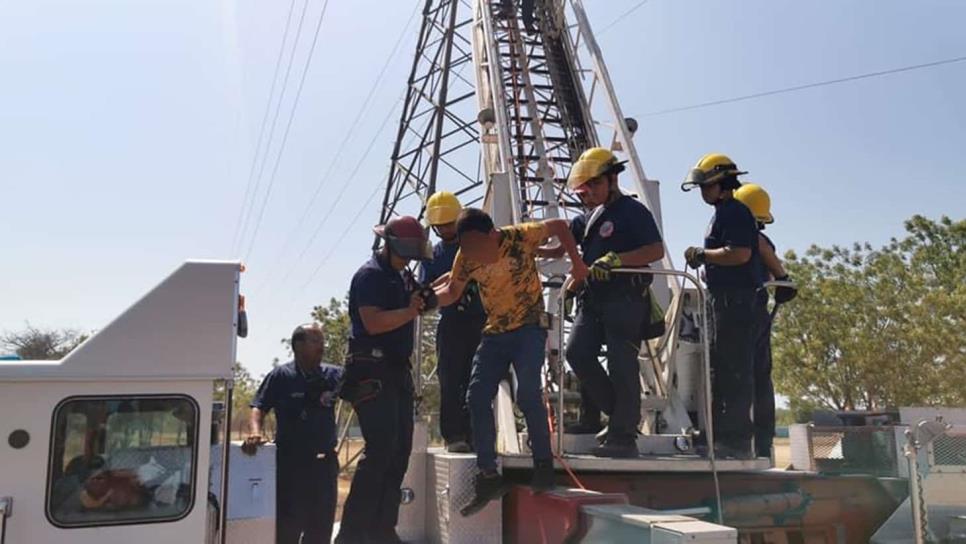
383,303
302,393
759,203
460,326
731,260
613,308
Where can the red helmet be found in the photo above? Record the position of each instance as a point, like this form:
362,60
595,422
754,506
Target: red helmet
406,238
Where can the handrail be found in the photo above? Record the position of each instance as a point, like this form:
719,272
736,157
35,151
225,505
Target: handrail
6,507
706,356
225,458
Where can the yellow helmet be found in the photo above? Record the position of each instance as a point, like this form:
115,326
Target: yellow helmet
757,200
710,169
594,162
442,208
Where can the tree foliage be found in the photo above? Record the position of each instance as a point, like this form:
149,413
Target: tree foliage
877,328
334,318
34,343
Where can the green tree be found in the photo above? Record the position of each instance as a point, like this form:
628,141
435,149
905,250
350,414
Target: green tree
34,343
334,318
245,387
876,328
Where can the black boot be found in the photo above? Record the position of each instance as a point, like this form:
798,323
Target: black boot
733,449
488,486
543,475
583,427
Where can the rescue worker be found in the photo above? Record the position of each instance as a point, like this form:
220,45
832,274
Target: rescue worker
383,302
459,329
613,308
759,203
730,258
302,393
503,263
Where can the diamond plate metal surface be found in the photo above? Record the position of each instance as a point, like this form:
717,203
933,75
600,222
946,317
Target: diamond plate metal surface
450,480
949,450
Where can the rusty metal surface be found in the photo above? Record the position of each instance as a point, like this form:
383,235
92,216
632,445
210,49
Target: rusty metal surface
834,508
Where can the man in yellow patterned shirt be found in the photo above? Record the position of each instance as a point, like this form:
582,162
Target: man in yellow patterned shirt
503,263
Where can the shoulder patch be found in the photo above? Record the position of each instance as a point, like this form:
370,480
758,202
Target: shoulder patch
606,229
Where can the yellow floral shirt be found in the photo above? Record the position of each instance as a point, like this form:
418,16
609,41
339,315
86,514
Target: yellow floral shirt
510,288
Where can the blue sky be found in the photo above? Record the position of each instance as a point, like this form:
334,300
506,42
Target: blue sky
127,130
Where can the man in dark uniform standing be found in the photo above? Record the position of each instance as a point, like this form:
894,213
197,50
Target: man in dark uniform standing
613,309
383,302
731,260
302,393
460,326
759,203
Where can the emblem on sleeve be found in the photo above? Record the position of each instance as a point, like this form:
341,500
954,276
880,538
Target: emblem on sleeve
607,229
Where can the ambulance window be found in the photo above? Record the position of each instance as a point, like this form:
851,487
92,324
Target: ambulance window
122,460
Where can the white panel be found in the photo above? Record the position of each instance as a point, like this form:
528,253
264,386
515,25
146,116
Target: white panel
912,415
798,439
23,473
183,328
412,516
251,531
692,531
251,482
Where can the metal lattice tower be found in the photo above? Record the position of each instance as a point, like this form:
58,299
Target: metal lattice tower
496,114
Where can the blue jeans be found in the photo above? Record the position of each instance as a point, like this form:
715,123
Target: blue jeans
524,348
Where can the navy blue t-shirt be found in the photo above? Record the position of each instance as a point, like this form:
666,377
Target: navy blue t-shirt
733,225
377,284
624,225
305,425
429,271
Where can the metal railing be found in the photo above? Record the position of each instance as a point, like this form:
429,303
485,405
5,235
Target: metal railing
6,507
706,366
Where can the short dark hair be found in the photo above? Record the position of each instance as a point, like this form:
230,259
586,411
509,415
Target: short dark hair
473,220
298,335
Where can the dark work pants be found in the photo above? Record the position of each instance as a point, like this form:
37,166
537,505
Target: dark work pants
372,508
589,411
306,493
614,317
764,389
457,337
525,348
732,366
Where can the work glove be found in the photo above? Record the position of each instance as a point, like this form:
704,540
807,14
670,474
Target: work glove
430,300
784,294
568,308
600,269
694,256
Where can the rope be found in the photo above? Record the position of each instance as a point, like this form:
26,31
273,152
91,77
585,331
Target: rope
559,455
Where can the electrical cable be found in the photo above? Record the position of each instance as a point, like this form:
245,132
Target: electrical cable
288,127
807,86
620,17
339,152
261,130
271,131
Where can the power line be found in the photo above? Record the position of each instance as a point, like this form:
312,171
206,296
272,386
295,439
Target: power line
271,131
807,86
620,17
341,149
342,235
288,127
261,131
345,186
